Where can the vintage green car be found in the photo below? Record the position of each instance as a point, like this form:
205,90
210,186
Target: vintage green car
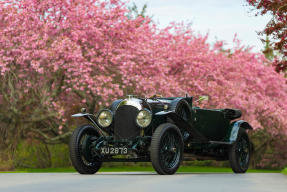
165,131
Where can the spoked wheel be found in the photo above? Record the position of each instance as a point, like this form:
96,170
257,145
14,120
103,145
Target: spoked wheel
239,153
166,149
80,150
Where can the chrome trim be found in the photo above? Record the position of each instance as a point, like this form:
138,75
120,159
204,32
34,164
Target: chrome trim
131,101
97,117
150,115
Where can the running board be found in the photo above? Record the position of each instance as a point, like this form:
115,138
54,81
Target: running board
220,142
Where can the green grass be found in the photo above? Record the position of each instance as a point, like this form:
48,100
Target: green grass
285,171
192,169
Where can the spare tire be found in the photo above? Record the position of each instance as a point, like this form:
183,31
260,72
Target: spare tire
181,107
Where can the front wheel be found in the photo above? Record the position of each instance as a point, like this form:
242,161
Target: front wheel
166,149
80,150
239,153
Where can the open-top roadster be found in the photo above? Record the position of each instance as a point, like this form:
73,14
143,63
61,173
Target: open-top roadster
164,131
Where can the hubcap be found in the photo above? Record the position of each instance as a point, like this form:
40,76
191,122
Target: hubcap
173,149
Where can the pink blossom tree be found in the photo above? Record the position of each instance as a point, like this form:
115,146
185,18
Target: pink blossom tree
58,55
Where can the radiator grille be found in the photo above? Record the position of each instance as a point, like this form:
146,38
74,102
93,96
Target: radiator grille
125,123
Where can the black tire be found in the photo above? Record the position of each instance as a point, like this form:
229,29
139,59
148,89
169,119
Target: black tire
181,107
166,149
240,152
80,155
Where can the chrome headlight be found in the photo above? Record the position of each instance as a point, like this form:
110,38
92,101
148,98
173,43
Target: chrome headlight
105,118
144,118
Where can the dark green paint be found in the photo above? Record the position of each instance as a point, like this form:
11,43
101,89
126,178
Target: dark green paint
211,130
210,123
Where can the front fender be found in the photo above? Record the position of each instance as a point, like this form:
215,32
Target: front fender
234,129
91,118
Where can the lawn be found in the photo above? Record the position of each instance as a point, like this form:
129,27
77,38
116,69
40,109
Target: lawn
285,171
191,169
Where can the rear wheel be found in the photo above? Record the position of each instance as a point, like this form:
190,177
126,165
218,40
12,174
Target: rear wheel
80,150
239,153
166,149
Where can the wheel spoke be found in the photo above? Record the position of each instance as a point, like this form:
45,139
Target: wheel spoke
169,150
242,152
85,151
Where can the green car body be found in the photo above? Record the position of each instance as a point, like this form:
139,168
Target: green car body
194,133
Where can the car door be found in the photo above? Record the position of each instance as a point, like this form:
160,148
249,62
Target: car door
210,123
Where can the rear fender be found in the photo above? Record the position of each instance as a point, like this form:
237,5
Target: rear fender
234,129
91,118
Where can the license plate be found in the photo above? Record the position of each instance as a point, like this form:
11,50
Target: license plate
114,150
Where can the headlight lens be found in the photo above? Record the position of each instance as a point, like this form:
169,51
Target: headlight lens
144,118
105,118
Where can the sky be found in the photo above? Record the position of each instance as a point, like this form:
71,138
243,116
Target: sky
221,19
